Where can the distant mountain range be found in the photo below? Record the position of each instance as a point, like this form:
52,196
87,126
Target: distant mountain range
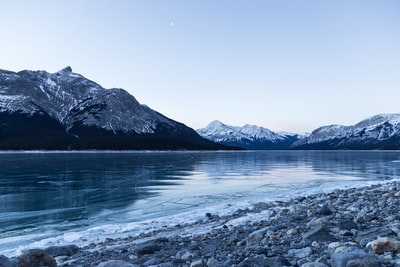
64,110
248,136
377,132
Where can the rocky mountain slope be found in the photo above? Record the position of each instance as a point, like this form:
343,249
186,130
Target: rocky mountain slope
64,110
377,132
248,136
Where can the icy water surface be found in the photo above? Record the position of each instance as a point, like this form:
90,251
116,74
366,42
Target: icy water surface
63,196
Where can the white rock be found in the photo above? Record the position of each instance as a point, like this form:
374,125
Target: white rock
300,253
333,245
291,231
383,244
315,244
198,263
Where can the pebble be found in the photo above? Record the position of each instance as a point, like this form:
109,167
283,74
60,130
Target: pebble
343,228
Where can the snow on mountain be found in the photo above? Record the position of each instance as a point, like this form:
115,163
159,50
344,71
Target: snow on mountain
248,136
70,97
377,132
69,101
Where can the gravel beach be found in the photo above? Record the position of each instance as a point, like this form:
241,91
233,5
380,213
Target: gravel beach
343,228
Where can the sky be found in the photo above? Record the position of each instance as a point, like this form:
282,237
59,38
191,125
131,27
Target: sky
287,65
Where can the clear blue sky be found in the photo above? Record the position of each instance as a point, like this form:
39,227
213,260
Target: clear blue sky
290,65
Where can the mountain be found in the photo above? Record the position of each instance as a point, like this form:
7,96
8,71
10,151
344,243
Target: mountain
377,132
64,110
248,137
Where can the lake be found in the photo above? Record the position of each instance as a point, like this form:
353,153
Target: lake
60,197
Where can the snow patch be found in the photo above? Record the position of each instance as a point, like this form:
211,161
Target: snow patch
219,132
70,97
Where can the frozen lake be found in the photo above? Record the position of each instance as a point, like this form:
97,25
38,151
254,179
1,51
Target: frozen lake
61,197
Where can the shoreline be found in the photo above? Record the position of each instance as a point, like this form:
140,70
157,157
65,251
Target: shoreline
337,228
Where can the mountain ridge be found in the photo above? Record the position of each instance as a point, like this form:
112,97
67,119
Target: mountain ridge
381,131
64,110
80,114
247,137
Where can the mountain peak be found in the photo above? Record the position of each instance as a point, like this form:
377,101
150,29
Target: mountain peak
248,136
66,69
36,106
380,118
380,131
215,123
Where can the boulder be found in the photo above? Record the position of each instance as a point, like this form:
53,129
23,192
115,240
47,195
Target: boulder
369,260
383,244
35,258
6,262
341,259
319,233
67,250
256,236
347,225
325,210
148,249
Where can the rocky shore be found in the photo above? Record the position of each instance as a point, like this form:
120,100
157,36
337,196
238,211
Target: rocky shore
355,227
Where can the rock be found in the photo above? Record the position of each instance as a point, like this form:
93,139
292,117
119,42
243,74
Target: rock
383,244
367,261
68,250
178,262
271,242
256,236
258,260
291,231
151,262
35,258
198,263
116,263
209,249
277,262
184,255
6,262
319,233
341,249
372,233
315,244
314,264
346,233
148,249
396,263
347,225
341,259
187,255
300,253
325,210
213,263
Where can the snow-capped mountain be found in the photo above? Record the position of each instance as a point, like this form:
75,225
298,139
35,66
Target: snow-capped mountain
41,110
377,132
248,136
